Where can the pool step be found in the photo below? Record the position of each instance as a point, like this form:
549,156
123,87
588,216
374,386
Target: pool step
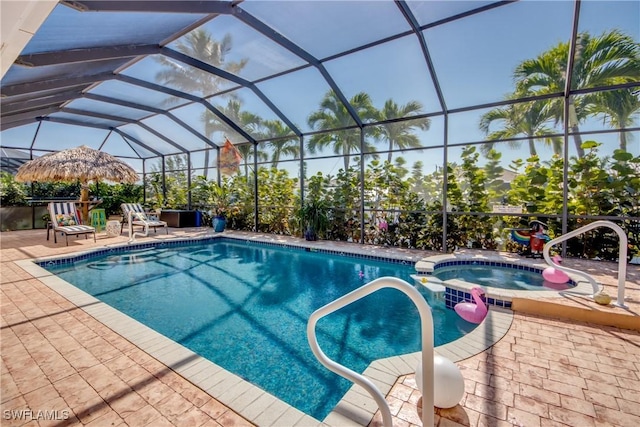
430,282
588,312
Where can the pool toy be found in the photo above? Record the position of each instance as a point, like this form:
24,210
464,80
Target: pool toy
538,237
556,286
554,275
473,312
532,239
521,236
448,382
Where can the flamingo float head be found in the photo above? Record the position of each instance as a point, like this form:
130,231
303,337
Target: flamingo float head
476,293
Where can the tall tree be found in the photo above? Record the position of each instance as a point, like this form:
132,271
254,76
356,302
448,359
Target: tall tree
400,134
247,121
247,152
610,58
333,114
283,141
618,107
201,45
529,120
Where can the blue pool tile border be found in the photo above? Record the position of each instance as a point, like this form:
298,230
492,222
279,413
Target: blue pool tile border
70,260
499,264
454,296
332,252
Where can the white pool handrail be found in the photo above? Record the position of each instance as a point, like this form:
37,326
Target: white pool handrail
426,320
622,256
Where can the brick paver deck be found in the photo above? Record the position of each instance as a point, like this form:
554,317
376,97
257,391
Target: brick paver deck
60,362
544,372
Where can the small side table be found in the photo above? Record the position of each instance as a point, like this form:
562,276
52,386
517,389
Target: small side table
113,228
98,219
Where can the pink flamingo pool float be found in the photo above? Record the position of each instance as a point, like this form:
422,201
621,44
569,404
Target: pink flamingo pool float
554,275
473,312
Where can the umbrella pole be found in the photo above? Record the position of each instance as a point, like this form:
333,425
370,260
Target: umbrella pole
84,197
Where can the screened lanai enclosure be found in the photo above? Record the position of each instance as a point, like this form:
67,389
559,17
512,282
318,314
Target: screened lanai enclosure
422,124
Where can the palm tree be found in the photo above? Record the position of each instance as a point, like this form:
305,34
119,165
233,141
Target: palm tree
248,121
333,114
201,45
611,58
400,134
284,142
618,107
246,151
527,120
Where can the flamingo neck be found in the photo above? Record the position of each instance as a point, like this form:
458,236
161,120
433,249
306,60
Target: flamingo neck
477,298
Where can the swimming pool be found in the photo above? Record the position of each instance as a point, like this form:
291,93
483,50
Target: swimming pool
245,307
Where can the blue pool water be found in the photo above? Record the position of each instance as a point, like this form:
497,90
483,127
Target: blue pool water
245,307
499,277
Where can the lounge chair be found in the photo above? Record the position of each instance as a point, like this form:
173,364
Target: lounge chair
133,214
64,219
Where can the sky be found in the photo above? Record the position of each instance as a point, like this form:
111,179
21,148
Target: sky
473,59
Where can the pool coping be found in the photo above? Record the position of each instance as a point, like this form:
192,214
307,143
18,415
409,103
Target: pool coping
251,402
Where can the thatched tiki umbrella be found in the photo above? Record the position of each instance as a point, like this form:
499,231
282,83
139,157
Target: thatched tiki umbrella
82,164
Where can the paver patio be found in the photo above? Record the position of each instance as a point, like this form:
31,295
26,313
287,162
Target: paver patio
60,362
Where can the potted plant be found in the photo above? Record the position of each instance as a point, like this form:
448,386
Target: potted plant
314,211
219,221
315,218
213,197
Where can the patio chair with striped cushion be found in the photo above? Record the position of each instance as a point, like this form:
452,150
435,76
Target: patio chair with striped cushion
134,212
64,219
